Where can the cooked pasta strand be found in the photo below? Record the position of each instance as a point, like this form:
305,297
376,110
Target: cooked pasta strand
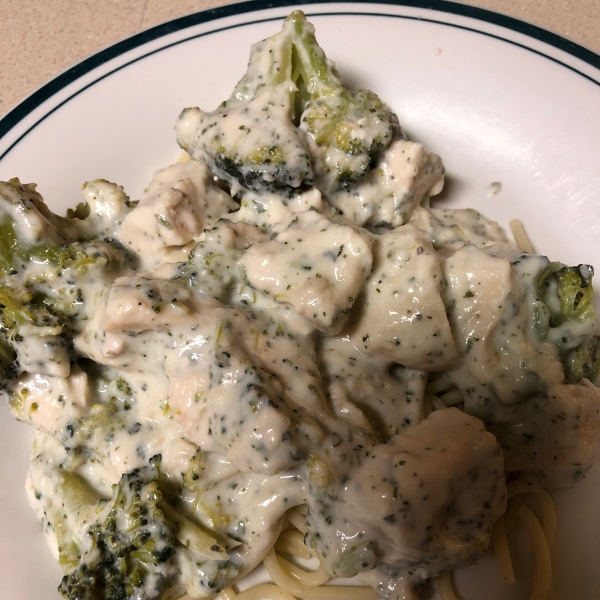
542,574
287,583
510,516
451,398
309,578
438,385
436,402
502,551
297,519
264,591
292,542
521,486
548,516
444,587
521,238
227,593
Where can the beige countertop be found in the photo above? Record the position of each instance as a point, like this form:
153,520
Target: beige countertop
41,38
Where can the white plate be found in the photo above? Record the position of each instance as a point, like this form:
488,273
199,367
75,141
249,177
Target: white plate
499,100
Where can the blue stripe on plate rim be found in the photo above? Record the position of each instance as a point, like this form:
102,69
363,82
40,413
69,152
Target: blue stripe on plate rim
22,110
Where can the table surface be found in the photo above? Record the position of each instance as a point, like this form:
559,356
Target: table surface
40,39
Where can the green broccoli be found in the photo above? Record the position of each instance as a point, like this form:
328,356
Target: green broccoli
42,309
250,142
38,318
75,497
131,550
7,361
131,545
568,294
584,361
24,317
25,233
104,420
31,232
349,128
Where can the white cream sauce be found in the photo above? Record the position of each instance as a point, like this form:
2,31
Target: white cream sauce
286,361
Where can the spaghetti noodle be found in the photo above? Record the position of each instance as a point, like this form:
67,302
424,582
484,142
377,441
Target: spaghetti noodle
521,238
292,582
541,535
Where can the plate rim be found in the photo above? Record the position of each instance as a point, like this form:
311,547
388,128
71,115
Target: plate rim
23,109
213,15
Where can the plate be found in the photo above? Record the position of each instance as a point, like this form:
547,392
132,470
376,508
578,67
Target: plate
499,100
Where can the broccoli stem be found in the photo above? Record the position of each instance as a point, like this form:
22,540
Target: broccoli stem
315,69
348,128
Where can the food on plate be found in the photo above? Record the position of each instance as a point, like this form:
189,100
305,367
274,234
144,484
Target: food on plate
283,335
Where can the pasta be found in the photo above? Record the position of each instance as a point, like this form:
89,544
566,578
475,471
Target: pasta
445,588
291,542
287,577
521,239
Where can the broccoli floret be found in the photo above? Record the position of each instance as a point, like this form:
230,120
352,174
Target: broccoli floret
250,141
76,498
349,128
98,217
105,418
568,294
8,366
103,211
42,271
38,318
25,233
584,362
14,310
31,232
192,478
131,550
24,316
